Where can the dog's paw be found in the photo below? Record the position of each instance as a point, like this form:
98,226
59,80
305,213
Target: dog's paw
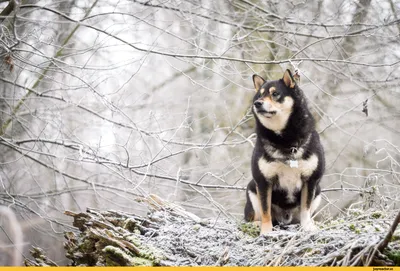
309,226
266,228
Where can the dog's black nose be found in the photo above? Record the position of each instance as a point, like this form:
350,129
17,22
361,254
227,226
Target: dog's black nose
257,104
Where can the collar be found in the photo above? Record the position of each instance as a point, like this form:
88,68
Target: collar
289,154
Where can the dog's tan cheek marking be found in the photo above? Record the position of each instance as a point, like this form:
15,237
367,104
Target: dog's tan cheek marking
287,104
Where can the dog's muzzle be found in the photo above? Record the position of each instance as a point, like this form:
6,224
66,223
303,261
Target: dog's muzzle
264,108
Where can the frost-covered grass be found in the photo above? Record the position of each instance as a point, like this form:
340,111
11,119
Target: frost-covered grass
173,237
346,240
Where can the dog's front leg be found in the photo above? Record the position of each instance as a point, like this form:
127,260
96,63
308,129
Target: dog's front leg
307,194
264,193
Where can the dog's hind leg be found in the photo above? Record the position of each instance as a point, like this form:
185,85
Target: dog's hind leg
314,204
252,210
249,214
305,213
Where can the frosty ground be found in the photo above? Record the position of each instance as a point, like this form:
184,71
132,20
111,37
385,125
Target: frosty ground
226,242
171,236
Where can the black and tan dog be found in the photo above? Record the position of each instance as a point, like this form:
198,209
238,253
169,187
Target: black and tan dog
288,158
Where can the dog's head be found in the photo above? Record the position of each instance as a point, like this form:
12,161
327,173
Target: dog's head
274,101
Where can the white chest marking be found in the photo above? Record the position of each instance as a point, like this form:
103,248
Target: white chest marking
289,178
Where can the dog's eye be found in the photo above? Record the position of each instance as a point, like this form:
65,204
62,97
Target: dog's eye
275,94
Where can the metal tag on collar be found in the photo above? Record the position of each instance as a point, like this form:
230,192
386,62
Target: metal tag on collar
293,163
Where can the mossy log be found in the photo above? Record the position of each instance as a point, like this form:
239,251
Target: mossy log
110,239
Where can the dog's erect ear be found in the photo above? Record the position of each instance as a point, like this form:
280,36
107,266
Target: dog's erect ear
288,79
296,77
258,81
